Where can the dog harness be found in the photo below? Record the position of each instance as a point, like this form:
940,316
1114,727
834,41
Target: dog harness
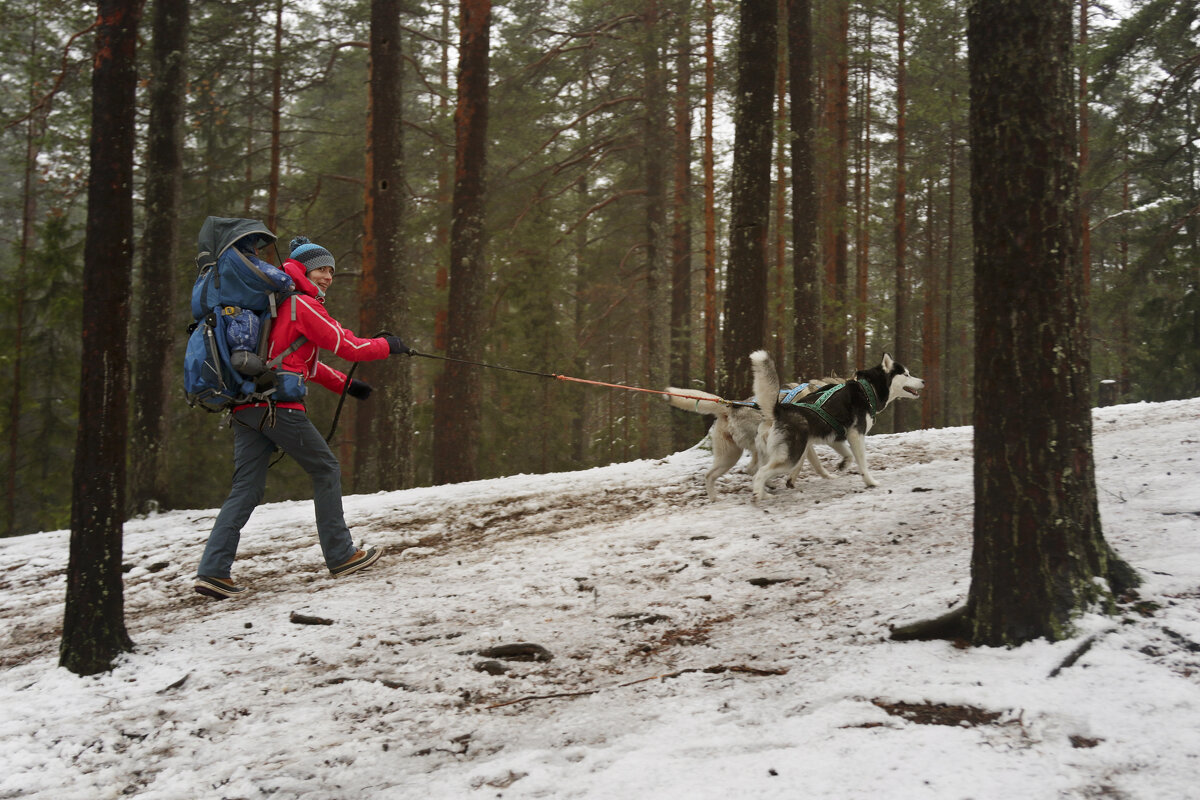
829,419
789,395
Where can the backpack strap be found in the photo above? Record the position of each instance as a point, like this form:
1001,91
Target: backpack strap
293,347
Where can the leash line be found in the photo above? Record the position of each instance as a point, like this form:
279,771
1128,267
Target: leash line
558,377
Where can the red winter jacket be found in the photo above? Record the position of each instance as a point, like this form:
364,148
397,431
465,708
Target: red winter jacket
304,314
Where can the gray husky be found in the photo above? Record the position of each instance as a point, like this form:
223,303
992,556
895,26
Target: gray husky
736,428
838,418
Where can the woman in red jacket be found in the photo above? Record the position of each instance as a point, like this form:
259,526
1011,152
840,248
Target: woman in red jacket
304,327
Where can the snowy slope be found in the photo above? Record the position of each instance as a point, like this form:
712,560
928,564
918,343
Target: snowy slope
699,650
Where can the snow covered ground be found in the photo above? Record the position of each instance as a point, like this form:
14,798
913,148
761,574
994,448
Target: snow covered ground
698,650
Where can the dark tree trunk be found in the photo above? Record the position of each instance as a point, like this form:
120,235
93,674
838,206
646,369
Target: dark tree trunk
685,427
780,323
34,128
839,313
745,295
445,169
458,400
94,619
901,347
655,430
154,333
276,119
862,250
710,192
1085,218
931,320
384,424
1039,548
948,315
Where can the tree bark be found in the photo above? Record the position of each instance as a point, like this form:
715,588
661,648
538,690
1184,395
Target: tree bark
276,119
710,193
384,425
948,315
931,319
458,399
154,331
684,427
1085,232
862,250
901,347
839,313
780,328
1039,547
655,431
745,297
94,618
34,127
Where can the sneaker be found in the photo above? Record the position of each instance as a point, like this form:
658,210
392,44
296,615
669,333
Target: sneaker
360,559
218,588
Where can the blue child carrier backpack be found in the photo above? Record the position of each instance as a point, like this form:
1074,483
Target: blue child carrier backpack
234,301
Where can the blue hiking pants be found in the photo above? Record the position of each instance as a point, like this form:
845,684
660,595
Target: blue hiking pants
294,434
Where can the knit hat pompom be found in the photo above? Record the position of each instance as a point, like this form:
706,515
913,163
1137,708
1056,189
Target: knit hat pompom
311,256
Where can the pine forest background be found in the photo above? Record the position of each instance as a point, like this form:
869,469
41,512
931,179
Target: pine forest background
606,219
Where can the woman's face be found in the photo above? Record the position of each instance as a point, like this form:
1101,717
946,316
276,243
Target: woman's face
322,277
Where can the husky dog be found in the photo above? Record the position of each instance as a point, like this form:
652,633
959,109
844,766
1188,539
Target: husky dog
736,427
841,417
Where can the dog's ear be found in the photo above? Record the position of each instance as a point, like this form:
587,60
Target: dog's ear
887,363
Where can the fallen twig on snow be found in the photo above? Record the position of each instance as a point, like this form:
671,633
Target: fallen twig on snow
1074,656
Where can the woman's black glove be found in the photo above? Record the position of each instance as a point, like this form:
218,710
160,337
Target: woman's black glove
359,390
396,346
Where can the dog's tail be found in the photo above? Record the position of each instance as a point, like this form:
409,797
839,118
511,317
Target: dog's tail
695,401
766,383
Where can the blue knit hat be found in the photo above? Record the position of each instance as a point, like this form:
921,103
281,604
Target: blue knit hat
311,256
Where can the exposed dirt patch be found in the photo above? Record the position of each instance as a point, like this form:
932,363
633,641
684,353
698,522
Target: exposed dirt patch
939,713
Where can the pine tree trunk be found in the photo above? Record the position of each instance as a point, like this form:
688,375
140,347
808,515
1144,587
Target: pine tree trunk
441,280
827,187
931,319
840,293
655,143
276,119
901,347
862,250
948,316
154,332
685,429
33,132
780,324
94,619
458,396
1085,232
579,422
710,202
251,127
807,345
384,423
745,296
1039,547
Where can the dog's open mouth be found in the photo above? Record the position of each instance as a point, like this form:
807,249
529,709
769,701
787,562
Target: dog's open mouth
912,391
